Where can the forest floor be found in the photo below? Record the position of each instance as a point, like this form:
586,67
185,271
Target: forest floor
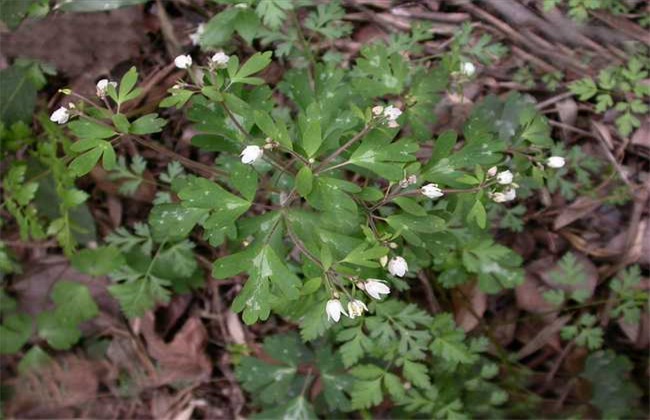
180,357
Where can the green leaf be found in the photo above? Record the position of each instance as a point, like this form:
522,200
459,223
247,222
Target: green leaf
173,221
17,92
366,394
121,123
205,194
304,181
15,331
73,197
253,65
95,5
74,304
478,214
613,393
219,29
12,13
127,84
273,12
247,25
411,206
33,360
147,124
244,179
138,296
296,409
364,255
416,373
266,270
584,88
86,129
85,162
312,137
60,335
99,261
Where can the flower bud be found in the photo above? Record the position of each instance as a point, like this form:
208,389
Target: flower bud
467,69
383,260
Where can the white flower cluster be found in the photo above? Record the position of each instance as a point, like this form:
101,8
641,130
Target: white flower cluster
373,287
390,112
504,178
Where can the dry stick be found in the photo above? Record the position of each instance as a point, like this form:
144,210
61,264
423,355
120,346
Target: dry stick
556,365
553,100
611,158
430,297
629,28
171,42
506,29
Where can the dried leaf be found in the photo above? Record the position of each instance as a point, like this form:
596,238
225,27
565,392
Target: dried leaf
184,358
580,208
466,317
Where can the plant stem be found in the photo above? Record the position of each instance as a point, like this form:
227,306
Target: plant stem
337,152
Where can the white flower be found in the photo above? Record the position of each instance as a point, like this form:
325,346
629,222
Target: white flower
397,266
196,36
491,172
60,116
501,197
334,310
555,162
377,110
183,61
497,197
376,288
392,113
510,194
103,85
356,308
251,153
432,191
393,124
504,178
468,69
220,59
